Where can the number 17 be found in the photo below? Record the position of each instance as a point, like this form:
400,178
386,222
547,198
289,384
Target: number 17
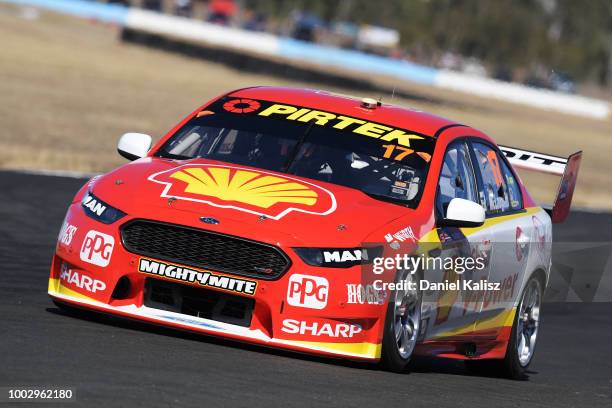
403,152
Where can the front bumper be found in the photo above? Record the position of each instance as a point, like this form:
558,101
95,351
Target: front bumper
340,328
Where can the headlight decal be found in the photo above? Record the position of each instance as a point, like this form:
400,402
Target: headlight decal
338,257
99,210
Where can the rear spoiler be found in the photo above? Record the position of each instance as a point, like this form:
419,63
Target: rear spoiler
567,168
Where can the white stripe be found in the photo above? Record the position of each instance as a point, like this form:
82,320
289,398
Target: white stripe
193,30
534,161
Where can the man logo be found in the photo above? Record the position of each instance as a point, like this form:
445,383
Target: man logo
349,255
256,192
94,205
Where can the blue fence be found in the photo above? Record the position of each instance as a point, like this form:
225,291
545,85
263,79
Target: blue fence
112,13
356,61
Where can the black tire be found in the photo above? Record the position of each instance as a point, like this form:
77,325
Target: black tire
391,358
510,366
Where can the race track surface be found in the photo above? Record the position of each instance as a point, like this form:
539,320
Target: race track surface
113,362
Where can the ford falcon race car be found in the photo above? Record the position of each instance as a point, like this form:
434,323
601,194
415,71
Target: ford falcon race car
305,220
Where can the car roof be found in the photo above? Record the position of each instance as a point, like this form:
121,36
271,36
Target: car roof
393,115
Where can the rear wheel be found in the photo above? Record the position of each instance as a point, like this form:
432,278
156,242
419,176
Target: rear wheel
522,342
402,324
521,347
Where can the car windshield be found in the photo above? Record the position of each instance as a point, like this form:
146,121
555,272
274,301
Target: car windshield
386,163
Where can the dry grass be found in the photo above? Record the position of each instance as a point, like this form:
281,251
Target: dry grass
69,88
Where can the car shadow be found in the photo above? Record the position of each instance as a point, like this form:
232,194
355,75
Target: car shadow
136,325
439,365
420,364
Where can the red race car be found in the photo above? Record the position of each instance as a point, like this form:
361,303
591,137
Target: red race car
305,220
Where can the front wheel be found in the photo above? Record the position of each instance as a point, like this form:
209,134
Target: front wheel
402,323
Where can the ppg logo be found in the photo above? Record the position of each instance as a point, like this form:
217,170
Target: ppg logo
97,248
307,291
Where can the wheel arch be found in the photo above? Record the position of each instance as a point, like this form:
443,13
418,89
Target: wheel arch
541,275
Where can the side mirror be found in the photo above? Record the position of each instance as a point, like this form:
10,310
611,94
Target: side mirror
133,146
463,213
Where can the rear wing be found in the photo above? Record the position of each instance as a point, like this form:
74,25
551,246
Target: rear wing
567,168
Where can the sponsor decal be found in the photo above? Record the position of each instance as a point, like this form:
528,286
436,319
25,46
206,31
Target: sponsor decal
537,160
201,277
520,245
502,292
402,235
67,233
540,232
364,294
241,105
341,256
254,191
95,206
317,329
99,210
450,235
488,294
97,248
341,122
80,280
307,291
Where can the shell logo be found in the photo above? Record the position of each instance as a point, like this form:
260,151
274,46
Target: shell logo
248,190
244,186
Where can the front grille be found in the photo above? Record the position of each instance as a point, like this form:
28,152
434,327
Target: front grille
203,249
199,302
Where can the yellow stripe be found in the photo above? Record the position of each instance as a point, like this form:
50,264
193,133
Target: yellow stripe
430,237
56,288
367,350
503,319
489,222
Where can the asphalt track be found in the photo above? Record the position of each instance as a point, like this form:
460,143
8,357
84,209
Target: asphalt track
111,362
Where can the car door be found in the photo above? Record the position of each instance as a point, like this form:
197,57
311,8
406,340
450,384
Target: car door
455,311
510,228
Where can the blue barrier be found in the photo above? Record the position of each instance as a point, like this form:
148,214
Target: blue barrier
111,13
355,60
